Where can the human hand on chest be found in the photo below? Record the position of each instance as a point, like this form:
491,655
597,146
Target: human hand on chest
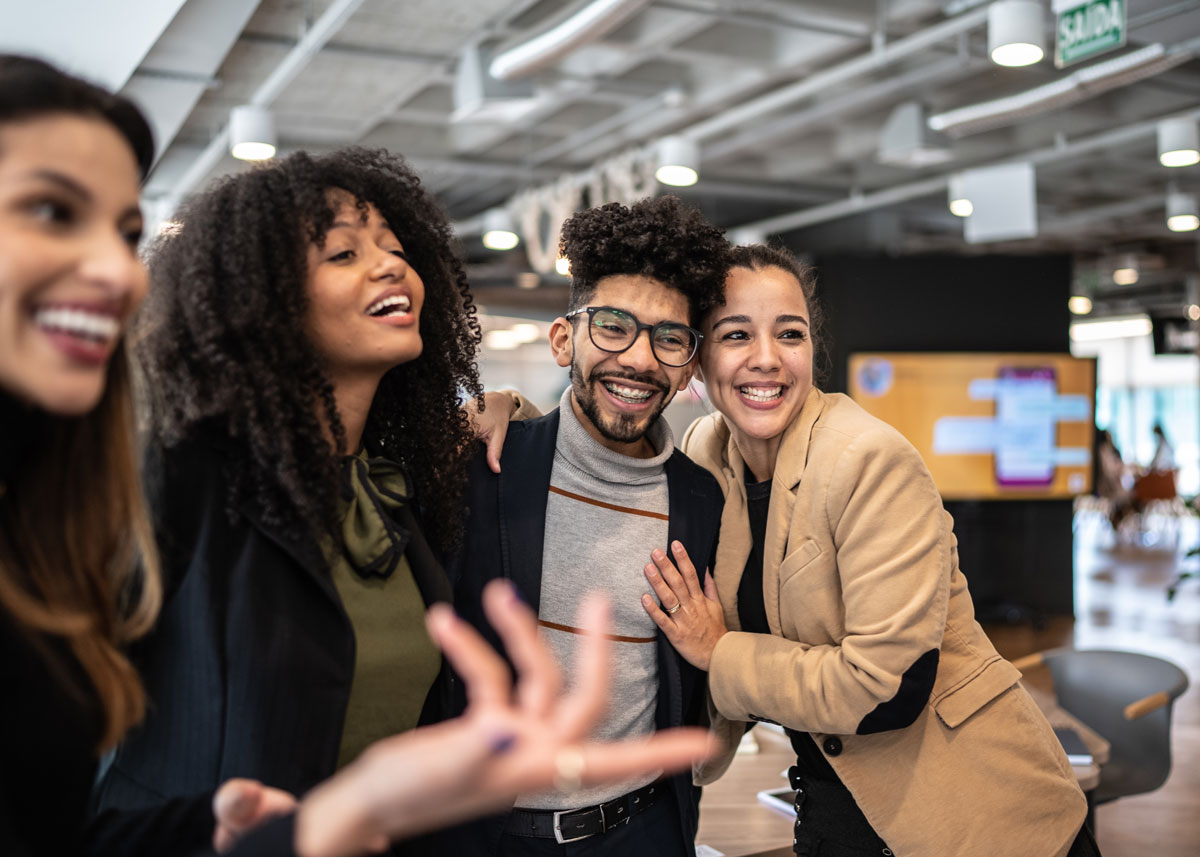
690,615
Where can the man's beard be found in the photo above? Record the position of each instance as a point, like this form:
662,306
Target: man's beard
618,427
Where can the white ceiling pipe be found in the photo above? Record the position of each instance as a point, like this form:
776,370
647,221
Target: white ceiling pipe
858,204
325,28
1071,223
586,25
824,111
1077,86
817,83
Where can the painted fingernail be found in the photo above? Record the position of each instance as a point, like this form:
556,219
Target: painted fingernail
503,743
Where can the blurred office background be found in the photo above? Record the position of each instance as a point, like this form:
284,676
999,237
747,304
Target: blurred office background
1014,177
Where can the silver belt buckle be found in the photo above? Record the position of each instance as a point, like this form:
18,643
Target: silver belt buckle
558,836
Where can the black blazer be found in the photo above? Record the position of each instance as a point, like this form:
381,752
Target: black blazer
249,668
505,532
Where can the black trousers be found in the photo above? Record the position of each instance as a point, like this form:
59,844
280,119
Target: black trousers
654,833
829,822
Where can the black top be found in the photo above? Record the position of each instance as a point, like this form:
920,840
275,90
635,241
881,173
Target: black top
49,728
250,664
752,613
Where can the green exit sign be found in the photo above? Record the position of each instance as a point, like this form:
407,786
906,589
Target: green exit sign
1087,29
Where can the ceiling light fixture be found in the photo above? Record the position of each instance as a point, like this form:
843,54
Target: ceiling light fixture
1193,312
1125,276
1016,33
678,161
498,231
251,133
501,340
563,266
960,206
1178,142
1079,305
1182,214
1090,331
526,331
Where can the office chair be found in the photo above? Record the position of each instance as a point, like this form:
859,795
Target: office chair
1127,699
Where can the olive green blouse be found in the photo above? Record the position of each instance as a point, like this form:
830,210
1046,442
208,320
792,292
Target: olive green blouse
396,662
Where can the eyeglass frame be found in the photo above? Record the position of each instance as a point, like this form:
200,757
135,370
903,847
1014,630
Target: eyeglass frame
639,327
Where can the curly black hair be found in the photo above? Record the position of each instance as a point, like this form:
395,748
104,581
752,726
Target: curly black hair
222,341
659,237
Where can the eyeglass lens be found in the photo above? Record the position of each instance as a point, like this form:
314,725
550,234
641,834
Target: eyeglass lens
613,330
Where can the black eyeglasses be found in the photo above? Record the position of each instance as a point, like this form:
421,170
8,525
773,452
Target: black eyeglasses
615,330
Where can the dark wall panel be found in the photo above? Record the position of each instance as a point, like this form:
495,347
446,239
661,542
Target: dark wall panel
1017,555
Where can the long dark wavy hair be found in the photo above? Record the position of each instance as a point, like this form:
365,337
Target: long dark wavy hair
77,554
224,348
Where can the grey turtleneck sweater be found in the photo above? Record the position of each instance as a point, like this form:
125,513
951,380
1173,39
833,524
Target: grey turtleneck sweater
605,513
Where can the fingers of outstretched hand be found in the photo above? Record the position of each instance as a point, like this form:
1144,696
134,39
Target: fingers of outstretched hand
669,751
588,699
539,679
483,672
240,805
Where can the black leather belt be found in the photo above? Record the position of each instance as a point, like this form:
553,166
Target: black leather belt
568,825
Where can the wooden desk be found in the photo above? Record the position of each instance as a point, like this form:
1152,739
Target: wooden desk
731,818
734,822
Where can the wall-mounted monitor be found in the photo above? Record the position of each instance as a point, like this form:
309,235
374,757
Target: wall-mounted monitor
990,426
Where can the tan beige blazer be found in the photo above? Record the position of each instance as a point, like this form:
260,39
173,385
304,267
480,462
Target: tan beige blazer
860,578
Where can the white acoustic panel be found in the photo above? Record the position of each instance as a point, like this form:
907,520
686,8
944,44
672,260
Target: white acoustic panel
1004,199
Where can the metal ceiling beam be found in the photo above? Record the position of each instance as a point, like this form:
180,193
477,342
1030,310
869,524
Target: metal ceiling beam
765,14
875,60
102,40
183,63
855,99
586,24
322,30
860,203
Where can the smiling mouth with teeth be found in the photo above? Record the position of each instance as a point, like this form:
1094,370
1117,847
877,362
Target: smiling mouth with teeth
79,323
761,394
393,305
627,394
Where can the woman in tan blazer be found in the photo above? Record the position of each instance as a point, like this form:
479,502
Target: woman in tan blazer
842,613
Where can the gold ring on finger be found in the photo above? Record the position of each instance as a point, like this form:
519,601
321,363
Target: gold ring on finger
675,609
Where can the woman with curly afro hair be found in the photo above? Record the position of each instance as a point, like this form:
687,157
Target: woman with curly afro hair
306,344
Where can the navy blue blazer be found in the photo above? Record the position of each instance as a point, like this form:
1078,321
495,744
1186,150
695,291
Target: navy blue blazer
504,537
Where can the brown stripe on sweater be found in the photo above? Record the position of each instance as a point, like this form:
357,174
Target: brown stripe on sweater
615,508
616,638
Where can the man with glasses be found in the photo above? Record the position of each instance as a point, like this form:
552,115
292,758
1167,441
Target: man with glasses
585,494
